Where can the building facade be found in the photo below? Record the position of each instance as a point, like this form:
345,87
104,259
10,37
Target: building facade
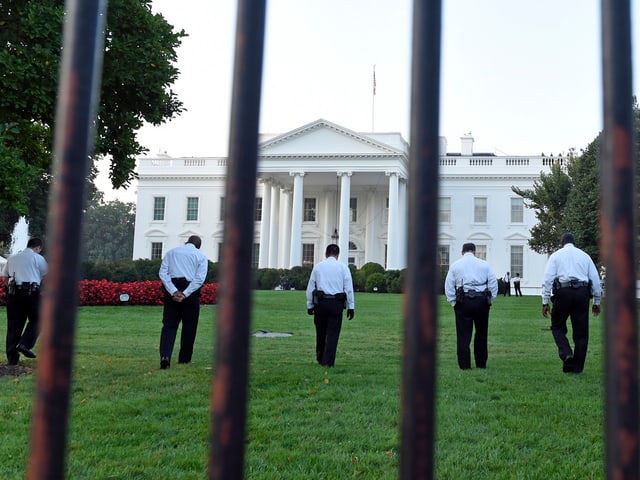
323,183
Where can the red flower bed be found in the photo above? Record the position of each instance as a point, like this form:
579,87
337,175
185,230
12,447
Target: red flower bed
103,292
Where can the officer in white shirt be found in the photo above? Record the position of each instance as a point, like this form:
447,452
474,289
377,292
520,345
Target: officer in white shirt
24,271
470,288
329,292
572,278
183,271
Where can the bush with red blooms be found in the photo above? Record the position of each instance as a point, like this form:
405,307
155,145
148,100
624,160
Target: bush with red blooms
103,292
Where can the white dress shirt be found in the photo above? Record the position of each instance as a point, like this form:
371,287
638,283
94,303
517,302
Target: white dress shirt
470,273
27,266
567,264
184,261
331,277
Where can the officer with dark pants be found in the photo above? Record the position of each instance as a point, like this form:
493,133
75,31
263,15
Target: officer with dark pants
188,310
470,287
472,312
571,301
183,271
572,278
328,322
329,292
25,271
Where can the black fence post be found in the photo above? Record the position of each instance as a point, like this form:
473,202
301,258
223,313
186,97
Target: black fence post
230,384
79,87
421,308
619,234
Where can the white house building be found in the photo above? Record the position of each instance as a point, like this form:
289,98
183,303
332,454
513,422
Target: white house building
323,183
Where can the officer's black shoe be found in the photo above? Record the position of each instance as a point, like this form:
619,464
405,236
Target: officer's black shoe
164,363
567,365
25,351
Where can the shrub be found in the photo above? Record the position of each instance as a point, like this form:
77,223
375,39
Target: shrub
376,283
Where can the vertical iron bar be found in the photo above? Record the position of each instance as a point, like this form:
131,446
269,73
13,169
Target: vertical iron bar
230,383
421,307
78,92
618,228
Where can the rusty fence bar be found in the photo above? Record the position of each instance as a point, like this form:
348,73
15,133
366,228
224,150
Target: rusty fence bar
230,384
619,233
78,90
421,312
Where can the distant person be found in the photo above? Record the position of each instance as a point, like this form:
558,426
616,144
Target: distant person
183,272
25,271
470,287
507,284
572,278
329,292
516,285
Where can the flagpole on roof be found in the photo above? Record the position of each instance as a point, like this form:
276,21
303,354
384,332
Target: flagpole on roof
373,100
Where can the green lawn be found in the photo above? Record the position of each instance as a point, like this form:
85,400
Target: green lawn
521,418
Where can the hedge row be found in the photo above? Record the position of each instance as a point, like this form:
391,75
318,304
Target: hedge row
104,292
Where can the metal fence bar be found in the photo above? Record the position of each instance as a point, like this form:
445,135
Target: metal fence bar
230,385
619,233
421,307
79,86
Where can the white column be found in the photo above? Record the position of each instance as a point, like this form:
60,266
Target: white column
402,216
275,226
285,230
370,244
343,232
392,234
295,258
263,258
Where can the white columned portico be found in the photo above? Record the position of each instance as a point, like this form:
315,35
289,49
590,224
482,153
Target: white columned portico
275,226
285,243
345,195
295,257
265,227
392,233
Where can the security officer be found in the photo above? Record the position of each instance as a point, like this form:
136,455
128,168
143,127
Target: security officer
25,271
572,277
470,287
329,291
183,271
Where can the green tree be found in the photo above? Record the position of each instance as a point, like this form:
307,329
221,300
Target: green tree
548,198
108,230
138,71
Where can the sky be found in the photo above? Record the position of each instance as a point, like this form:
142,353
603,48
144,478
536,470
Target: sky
524,78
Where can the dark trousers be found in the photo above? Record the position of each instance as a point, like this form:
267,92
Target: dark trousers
22,307
470,313
516,289
328,322
574,303
187,311
507,288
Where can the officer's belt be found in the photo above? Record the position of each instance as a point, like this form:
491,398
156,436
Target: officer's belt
337,296
27,286
573,284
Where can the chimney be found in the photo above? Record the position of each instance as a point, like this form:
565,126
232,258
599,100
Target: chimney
442,146
466,144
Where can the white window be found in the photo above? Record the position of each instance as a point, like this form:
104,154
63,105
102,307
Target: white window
257,216
158,208
480,209
156,250
443,260
192,209
353,210
517,210
222,205
444,210
517,260
308,254
309,210
481,251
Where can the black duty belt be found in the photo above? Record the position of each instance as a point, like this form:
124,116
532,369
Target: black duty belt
337,296
573,284
27,286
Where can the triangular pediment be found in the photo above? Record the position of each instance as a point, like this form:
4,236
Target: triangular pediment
517,237
323,138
